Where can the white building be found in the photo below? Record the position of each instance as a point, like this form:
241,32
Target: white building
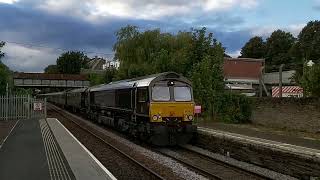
111,64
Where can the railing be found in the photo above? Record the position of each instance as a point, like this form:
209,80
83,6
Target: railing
21,107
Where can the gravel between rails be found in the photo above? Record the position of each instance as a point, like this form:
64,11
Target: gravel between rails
165,166
116,163
243,165
215,168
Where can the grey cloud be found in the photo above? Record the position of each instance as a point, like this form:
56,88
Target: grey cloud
18,23
316,7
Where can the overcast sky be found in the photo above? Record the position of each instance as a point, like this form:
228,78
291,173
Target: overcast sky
37,31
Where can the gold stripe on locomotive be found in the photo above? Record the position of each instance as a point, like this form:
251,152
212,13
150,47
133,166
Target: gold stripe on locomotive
181,110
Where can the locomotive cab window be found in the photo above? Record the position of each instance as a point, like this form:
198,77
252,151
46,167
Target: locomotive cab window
182,93
160,93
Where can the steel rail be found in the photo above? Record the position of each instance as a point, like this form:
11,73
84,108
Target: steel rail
197,168
225,164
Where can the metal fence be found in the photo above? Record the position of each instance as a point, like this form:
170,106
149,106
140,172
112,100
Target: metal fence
22,107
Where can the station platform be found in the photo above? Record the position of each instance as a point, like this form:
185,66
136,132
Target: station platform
275,136
298,157
45,149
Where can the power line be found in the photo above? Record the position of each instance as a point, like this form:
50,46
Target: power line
56,49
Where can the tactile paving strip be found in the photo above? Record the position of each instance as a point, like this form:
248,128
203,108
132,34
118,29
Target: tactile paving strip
57,167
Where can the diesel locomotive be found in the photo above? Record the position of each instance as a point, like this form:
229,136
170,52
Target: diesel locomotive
157,108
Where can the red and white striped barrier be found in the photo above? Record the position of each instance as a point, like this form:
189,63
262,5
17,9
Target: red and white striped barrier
287,91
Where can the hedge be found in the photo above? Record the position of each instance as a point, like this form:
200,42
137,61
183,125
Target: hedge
232,108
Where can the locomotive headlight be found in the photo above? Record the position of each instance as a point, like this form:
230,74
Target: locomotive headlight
190,117
155,117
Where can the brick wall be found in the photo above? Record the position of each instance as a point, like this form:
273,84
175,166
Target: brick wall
290,113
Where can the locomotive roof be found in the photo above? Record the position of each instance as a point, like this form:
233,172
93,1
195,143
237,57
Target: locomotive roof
140,81
78,90
53,93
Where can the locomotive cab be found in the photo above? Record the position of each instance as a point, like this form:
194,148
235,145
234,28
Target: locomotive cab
171,110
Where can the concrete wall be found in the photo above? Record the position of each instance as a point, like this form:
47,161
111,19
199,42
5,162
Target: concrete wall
302,114
296,164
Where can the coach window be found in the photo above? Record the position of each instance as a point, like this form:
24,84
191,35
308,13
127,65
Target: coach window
142,95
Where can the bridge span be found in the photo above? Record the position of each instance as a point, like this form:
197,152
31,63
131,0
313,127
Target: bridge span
45,81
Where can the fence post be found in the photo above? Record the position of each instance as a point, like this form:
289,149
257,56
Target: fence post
7,104
45,108
28,107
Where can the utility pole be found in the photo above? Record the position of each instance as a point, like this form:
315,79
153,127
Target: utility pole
280,80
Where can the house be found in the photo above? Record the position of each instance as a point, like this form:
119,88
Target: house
243,75
112,64
98,65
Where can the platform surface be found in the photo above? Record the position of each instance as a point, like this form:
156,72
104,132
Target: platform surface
83,164
22,156
45,149
283,138
284,142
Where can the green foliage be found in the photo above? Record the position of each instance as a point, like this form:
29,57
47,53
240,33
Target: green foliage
22,91
1,53
5,78
310,80
207,75
233,108
142,53
51,69
277,47
109,75
5,73
96,79
254,48
196,55
72,62
309,41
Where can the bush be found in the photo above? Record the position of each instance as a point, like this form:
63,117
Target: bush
232,108
310,80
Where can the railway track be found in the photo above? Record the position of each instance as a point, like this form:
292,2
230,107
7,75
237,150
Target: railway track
208,166
147,173
198,162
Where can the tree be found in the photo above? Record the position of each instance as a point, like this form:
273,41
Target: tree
310,80
1,53
4,80
195,54
4,73
277,47
207,74
51,69
148,52
309,41
72,62
254,48
109,75
96,79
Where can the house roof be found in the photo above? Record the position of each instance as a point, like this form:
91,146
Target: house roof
242,68
44,76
